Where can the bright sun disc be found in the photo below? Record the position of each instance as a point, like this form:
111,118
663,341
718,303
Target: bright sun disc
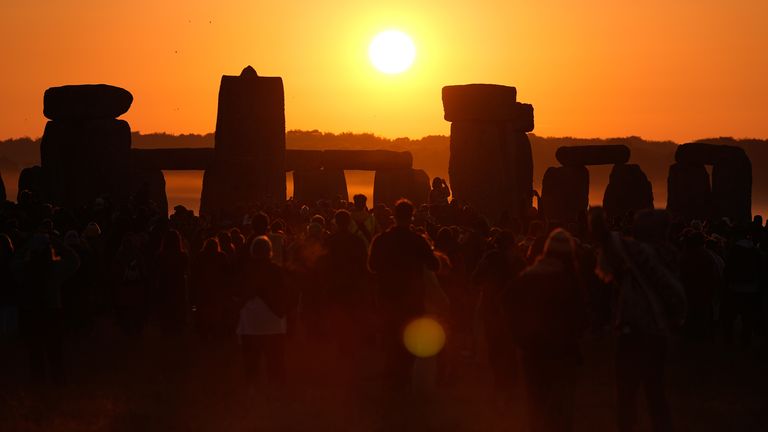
392,52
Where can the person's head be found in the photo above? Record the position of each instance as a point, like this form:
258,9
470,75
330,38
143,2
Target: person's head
560,246
211,245
318,219
360,201
171,241
238,239
92,231
437,183
403,212
343,220
72,238
260,223
278,226
261,248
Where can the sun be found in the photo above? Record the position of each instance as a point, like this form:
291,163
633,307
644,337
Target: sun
392,52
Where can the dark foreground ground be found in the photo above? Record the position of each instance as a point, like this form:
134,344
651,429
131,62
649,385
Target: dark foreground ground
156,383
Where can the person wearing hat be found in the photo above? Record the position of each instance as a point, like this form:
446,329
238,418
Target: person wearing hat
547,314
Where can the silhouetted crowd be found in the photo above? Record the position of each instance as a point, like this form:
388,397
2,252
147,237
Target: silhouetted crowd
344,275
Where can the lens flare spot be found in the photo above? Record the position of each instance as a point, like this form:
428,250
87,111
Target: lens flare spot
424,337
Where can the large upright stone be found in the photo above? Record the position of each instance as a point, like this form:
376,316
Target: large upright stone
35,180
565,193
310,186
250,145
731,178
628,191
688,191
390,185
732,187
491,163
86,102
85,159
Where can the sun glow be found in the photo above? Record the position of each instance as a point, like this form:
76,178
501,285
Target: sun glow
392,52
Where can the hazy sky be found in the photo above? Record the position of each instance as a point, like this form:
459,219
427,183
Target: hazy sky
661,69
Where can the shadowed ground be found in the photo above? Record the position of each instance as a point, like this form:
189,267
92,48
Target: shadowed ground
156,383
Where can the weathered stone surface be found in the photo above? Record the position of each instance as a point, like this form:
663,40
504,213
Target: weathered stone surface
249,165
491,168
173,158
310,186
522,119
35,180
303,160
229,189
146,187
86,102
593,155
688,191
705,154
362,160
366,160
565,193
628,191
251,121
391,185
484,102
732,189
85,159
731,177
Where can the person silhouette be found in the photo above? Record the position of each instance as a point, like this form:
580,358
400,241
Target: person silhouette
262,324
398,258
548,316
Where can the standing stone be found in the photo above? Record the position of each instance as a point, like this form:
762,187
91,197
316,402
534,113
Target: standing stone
249,165
731,178
688,191
310,186
35,180
732,187
390,185
86,159
565,193
147,187
491,163
628,191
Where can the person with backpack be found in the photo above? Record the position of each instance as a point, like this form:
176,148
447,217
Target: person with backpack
650,307
546,310
262,324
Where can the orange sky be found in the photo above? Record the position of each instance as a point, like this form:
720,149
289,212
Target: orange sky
678,70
